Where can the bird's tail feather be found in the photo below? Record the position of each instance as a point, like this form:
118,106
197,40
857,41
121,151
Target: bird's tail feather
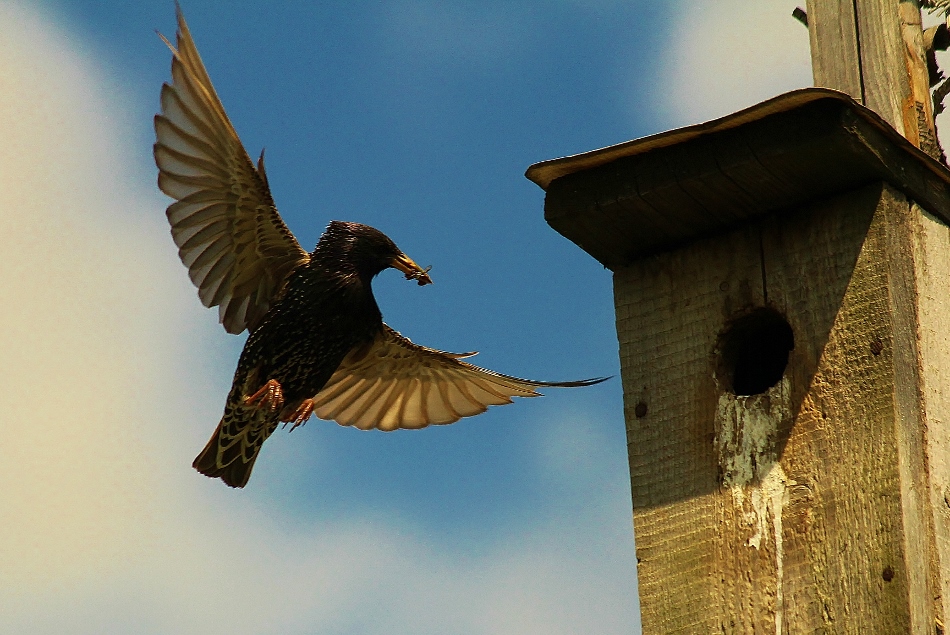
233,448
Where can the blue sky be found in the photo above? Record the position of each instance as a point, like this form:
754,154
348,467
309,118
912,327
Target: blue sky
418,118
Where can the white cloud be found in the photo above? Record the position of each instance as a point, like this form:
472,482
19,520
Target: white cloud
79,299
730,54
726,55
103,527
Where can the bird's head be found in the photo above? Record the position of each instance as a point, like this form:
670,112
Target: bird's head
371,251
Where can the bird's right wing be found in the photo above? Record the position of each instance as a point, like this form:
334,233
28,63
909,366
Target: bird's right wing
237,249
394,383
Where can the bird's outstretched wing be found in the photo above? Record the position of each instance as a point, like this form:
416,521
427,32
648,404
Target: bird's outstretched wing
237,249
394,383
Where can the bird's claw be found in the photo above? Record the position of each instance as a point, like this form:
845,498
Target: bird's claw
270,396
299,416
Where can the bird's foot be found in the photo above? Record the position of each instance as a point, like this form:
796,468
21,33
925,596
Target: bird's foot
270,396
299,416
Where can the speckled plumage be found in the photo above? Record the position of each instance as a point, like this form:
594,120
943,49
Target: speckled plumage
327,310
317,342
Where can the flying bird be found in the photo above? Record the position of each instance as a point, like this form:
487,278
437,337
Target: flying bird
317,343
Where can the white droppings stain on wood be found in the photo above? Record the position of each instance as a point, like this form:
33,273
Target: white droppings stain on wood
746,431
774,493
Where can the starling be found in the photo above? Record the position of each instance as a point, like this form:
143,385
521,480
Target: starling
317,343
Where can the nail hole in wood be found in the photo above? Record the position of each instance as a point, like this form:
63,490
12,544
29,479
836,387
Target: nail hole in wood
877,346
754,351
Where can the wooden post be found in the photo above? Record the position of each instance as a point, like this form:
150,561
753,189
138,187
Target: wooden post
873,50
782,292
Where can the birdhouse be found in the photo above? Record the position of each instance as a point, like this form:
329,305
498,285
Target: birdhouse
782,291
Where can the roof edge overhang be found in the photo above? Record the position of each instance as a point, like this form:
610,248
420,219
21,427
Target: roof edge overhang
643,196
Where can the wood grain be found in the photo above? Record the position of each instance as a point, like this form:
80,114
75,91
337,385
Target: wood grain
918,107
873,50
931,264
845,532
670,309
809,508
835,58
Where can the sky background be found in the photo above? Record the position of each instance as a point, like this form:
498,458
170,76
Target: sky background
418,118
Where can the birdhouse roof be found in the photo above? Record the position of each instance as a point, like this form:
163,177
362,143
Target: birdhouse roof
653,194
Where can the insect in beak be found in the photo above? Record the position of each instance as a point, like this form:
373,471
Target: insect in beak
412,271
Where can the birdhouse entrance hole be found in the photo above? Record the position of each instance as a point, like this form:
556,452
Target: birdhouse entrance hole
754,351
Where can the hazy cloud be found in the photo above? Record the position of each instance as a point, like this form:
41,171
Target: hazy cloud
727,55
103,527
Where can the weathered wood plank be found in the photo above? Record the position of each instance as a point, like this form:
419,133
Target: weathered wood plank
806,508
825,546
930,238
659,188
835,60
918,108
844,539
695,169
884,76
873,50
919,539
669,312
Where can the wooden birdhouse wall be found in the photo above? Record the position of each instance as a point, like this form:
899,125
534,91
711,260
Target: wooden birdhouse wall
756,512
779,253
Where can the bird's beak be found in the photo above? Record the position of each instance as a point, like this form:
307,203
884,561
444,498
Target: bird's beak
413,271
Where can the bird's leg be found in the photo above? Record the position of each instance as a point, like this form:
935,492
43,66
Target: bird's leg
301,414
270,396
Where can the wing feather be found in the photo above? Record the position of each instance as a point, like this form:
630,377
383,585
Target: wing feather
179,139
482,391
205,235
398,384
237,312
212,289
361,399
238,250
378,404
195,213
206,258
189,165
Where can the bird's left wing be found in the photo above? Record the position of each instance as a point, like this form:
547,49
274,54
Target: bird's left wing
394,383
237,249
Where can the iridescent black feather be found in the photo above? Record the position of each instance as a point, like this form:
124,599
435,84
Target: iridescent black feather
327,310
